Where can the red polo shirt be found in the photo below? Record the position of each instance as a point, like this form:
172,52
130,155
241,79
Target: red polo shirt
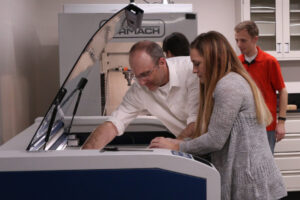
266,72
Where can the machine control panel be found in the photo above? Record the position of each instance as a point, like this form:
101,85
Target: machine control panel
178,153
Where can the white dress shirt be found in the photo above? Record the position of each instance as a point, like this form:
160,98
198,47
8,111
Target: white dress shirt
174,104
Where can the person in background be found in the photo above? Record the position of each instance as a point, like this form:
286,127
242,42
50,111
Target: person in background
165,88
265,70
231,124
176,44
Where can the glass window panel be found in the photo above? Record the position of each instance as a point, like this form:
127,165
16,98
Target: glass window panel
266,17
294,4
294,25
262,5
265,22
267,43
295,43
263,13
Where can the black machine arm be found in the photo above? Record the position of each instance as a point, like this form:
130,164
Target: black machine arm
57,101
79,88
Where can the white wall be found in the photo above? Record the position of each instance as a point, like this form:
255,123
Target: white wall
29,68
29,73
218,15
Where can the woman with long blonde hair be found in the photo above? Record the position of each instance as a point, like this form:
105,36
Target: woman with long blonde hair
221,61
231,123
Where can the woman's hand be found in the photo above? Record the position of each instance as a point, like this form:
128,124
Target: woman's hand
165,143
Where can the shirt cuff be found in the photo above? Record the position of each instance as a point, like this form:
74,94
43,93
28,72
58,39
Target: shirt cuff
119,125
191,119
183,146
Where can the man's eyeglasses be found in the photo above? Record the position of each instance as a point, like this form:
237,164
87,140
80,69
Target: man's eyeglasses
145,74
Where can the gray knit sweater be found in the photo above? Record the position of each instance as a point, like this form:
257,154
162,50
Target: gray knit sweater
238,144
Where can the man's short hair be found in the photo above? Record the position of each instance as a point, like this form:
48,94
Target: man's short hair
249,26
177,44
150,47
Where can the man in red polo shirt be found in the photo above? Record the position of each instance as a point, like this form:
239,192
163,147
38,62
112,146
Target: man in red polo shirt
265,70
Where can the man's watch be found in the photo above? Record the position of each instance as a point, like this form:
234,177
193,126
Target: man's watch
281,118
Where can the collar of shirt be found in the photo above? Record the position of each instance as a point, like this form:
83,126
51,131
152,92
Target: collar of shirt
256,58
173,76
250,59
259,57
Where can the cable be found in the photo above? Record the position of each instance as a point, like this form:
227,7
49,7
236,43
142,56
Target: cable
106,96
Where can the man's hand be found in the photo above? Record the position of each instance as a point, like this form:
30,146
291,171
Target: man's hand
280,127
101,136
280,130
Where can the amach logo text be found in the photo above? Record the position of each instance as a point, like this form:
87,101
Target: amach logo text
149,29
146,30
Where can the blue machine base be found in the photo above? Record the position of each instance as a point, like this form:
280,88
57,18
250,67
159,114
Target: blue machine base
101,184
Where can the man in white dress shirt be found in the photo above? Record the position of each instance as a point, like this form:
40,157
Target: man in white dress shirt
165,88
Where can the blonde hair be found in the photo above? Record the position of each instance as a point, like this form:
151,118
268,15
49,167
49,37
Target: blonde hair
219,60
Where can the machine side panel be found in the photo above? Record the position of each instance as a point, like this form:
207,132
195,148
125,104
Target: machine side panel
102,184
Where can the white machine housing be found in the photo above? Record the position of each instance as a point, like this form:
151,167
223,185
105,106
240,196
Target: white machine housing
139,169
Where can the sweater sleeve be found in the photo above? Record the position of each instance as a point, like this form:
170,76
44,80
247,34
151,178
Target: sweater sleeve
228,97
